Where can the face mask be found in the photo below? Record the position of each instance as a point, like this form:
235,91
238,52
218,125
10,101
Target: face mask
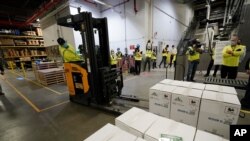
65,45
233,43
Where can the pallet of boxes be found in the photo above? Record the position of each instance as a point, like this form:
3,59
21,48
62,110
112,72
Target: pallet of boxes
48,73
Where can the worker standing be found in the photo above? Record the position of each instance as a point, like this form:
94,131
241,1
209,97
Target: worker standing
230,59
119,57
67,51
164,56
113,59
154,58
211,63
245,101
148,56
2,73
138,58
172,55
193,53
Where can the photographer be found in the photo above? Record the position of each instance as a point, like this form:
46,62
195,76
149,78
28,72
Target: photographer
193,52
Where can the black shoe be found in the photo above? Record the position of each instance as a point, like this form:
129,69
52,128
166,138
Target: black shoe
214,75
206,75
192,80
1,93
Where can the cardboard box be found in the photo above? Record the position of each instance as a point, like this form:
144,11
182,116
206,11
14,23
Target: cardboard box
198,86
160,99
136,121
169,127
217,112
111,133
167,81
205,136
185,105
222,89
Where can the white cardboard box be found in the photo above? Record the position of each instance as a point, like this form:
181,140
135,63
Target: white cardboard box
198,86
136,121
166,81
217,112
169,127
185,105
205,136
222,89
111,133
160,99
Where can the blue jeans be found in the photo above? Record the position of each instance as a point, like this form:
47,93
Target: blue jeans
192,67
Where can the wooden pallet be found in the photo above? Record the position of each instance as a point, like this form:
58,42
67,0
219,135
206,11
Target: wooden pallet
51,76
46,65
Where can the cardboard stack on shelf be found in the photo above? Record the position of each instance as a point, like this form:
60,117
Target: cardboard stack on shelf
29,33
7,42
33,42
39,32
20,43
210,108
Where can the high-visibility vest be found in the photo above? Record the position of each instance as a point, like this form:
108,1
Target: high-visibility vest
153,56
113,59
119,55
229,59
193,57
69,54
138,56
148,53
164,52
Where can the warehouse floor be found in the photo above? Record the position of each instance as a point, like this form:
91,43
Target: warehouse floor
30,111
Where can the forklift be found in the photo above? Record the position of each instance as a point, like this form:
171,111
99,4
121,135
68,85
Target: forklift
92,82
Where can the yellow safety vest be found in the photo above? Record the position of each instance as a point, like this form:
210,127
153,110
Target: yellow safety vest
213,49
119,55
229,59
148,53
195,56
168,57
113,59
69,54
153,56
138,56
164,52
174,58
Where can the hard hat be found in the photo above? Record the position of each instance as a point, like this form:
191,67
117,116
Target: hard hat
137,45
118,49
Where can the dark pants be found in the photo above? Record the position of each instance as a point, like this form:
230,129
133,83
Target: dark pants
154,63
192,67
113,66
163,60
147,61
137,67
229,72
245,102
171,59
216,67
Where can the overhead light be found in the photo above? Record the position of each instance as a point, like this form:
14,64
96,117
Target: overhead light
38,20
212,0
103,3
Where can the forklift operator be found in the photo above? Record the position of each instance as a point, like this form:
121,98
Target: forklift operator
67,51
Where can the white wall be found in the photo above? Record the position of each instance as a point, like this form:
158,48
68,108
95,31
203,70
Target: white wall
170,20
95,10
125,27
51,31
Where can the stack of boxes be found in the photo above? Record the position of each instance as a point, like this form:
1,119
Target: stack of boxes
210,108
139,125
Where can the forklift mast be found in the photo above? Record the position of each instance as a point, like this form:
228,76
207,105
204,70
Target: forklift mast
96,59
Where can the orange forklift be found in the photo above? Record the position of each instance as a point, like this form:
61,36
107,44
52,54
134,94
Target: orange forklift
92,81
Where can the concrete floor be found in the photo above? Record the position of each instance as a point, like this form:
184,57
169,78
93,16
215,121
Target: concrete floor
31,112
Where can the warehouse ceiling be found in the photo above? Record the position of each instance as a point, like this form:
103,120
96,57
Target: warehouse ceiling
23,12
